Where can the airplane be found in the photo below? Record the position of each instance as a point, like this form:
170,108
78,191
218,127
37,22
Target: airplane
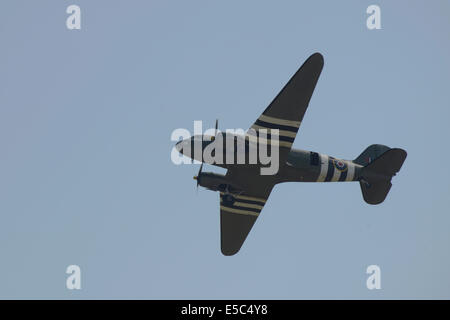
244,190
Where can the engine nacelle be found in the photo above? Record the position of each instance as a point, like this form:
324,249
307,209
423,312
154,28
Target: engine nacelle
215,182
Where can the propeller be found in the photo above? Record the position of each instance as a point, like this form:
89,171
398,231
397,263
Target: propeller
197,177
215,131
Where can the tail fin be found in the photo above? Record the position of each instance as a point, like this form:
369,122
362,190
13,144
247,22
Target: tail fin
371,153
376,175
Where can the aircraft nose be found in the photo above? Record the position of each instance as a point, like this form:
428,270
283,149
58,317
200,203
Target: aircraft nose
179,146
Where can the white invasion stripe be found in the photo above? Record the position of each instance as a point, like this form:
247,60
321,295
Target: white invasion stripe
281,133
337,173
238,211
272,142
351,171
323,168
238,196
247,205
282,122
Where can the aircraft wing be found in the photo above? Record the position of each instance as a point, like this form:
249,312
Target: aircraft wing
238,213
286,111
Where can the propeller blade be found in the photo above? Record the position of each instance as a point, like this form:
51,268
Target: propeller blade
197,177
217,126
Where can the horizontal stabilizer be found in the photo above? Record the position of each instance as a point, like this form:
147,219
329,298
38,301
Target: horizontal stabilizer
371,153
376,176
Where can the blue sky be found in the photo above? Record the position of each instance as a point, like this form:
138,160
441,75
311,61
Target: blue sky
86,177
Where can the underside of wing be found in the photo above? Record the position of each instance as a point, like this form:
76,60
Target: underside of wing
286,111
238,213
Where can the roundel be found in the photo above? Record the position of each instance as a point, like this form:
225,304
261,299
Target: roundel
340,165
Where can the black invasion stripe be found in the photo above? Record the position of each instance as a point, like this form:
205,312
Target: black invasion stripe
275,126
241,208
343,175
269,136
330,171
259,203
282,138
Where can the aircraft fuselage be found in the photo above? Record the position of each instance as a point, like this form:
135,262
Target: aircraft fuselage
309,166
299,166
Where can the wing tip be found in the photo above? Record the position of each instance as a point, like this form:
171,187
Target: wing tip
227,252
317,57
